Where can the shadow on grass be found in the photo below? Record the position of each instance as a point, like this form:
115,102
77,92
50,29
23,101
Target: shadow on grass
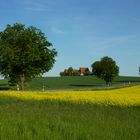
4,87
127,81
86,85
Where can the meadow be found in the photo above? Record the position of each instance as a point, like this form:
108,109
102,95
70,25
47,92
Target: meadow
71,115
72,82
77,82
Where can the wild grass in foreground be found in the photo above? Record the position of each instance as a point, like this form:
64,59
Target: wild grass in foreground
75,115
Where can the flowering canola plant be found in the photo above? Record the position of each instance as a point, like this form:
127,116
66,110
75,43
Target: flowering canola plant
129,96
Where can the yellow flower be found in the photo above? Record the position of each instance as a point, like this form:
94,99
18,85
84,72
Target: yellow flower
129,96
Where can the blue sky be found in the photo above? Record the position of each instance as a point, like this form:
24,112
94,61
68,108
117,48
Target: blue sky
82,31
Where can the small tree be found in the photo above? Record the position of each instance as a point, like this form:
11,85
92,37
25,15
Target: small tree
62,74
70,71
105,69
24,53
76,73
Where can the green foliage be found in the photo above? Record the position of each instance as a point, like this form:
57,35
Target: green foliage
70,72
76,73
62,74
25,53
88,73
105,69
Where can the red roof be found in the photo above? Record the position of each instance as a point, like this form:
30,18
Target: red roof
83,70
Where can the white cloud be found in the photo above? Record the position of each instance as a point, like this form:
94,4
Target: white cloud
56,30
36,5
108,42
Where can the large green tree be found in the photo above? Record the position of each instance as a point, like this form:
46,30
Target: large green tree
25,53
105,69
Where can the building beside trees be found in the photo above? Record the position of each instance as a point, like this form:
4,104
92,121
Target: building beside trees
75,72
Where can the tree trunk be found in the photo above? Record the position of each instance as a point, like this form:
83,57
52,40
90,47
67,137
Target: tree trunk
108,83
21,81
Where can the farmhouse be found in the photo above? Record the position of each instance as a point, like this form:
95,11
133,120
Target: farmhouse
71,71
83,70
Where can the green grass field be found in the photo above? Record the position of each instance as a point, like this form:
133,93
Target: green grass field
53,115
39,116
72,82
77,82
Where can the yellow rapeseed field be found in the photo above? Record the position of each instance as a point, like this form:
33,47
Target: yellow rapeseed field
129,96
